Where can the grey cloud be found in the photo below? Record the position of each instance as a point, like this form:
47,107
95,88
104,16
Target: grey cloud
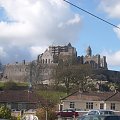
36,24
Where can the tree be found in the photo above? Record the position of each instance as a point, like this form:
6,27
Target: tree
104,87
35,73
5,112
72,76
66,77
41,114
47,108
82,77
113,86
118,87
1,67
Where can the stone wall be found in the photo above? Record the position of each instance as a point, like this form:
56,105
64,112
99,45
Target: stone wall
18,72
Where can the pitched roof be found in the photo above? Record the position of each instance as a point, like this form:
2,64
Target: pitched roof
115,97
94,96
20,96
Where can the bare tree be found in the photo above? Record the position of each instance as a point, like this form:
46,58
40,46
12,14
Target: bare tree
35,73
73,76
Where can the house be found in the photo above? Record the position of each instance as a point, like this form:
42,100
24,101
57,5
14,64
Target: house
92,100
20,100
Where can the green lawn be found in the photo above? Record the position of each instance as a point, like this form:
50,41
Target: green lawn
52,95
1,84
10,85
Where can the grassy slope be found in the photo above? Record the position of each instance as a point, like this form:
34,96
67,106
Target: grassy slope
52,95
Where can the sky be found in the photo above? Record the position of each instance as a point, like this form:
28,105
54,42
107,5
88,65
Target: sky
28,27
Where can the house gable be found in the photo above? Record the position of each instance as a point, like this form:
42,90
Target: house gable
92,100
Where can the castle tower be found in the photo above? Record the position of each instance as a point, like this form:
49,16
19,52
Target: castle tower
89,51
104,62
69,45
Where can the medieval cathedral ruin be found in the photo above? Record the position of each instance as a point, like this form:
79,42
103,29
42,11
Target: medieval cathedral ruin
55,53
45,63
94,60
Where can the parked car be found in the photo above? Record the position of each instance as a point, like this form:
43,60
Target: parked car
99,117
100,112
68,113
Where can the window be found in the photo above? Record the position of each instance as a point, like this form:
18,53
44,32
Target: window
40,61
60,107
89,105
21,106
72,104
46,61
43,61
9,105
101,105
112,106
49,61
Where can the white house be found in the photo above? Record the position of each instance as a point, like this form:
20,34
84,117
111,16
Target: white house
92,100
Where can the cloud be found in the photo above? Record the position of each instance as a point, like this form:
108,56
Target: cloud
111,7
2,52
72,21
117,31
36,50
40,23
113,58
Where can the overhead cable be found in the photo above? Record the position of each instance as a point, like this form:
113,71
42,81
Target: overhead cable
91,14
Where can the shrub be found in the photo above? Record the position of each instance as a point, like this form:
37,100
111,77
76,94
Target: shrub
5,112
41,114
10,85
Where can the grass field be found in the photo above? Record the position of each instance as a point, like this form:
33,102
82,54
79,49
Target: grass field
54,96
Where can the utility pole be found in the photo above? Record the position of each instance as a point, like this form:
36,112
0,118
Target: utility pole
31,67
46,114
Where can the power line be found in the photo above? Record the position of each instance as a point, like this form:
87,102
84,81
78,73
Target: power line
91,14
